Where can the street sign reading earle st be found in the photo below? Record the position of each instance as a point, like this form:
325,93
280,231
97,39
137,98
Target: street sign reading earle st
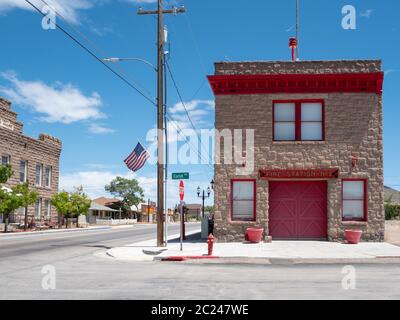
180,176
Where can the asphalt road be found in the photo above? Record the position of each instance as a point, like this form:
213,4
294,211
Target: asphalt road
53,244
83,271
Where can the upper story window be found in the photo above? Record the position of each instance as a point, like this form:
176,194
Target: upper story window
47,176
354,200
23,171
299,120
243,200
38,174
5,159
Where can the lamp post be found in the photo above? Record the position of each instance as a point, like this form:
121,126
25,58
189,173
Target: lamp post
203,195
115,60
162,233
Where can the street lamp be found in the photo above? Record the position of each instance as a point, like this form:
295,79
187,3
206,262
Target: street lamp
115,60
161,125
203,195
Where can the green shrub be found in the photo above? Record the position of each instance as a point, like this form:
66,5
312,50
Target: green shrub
392,211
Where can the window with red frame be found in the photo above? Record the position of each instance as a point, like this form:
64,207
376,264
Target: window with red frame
299,120
354,200
243,200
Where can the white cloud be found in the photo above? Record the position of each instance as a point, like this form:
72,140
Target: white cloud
101,31
179,127
56,103
100,166
93,182
192,105
198,111
367,13
143,1
67,8
100,129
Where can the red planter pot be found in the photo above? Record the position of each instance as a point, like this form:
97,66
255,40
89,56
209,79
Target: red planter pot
254,235
353,236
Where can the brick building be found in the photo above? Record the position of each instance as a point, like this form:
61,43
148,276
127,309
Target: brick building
33,160
318,149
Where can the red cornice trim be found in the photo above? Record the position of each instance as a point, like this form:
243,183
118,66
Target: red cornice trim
297,83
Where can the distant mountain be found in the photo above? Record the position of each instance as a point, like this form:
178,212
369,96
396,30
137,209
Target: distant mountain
392,194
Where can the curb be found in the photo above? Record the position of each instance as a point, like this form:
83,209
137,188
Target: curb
185,258
288,262
56,231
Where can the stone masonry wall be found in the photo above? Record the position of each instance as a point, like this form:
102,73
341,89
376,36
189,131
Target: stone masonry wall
353,126
45,150
302,67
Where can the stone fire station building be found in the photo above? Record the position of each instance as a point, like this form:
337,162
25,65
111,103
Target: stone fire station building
33,160
318,149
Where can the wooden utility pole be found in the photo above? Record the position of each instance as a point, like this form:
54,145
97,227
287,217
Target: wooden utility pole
160,115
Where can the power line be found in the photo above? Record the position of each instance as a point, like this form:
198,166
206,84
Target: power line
180,97
197,47
196,44
94,46
91,53
73,28
180,131
184,105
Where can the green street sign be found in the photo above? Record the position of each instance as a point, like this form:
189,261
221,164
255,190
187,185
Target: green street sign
180,176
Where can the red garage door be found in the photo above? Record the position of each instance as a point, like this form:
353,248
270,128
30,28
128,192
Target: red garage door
298,210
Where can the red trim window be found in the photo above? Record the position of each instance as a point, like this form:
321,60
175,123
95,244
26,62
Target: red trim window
243,200
299,120
354,198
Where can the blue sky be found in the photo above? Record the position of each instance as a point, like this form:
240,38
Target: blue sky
100,119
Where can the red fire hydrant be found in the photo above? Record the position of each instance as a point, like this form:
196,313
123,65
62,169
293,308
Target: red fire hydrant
210,242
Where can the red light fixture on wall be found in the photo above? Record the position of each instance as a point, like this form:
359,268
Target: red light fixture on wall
354,161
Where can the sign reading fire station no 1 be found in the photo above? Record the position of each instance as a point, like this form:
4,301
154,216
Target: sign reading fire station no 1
300,174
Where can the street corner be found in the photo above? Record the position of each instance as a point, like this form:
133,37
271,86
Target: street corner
134,253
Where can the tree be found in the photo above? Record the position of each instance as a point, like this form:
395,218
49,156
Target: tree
79,203
13,198
70,205
28,198
209,209
5,173
61,202
128,190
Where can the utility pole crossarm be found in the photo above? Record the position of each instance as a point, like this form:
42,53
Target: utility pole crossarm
172,11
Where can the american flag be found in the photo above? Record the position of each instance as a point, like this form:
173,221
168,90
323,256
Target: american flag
137,158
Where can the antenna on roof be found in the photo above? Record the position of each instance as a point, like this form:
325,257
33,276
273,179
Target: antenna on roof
297,30
294,41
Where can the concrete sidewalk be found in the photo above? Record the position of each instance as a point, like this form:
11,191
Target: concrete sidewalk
285,250
148,250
